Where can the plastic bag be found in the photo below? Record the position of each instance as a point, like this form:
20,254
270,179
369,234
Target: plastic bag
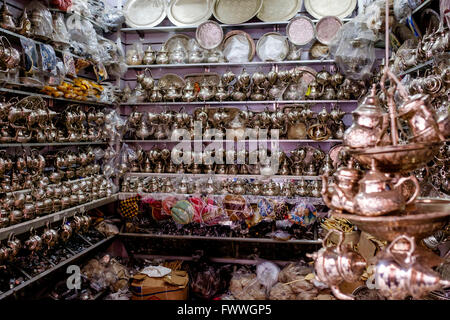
353,49
272,48
244,285
303,214
31,61
135,54
44,27
267,274
60,33
402,10
178,53
237,49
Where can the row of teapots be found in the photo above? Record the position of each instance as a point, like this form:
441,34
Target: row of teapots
22,171
30,120
275,85
49,238
300,188
46,198
159,161
432,44
294,122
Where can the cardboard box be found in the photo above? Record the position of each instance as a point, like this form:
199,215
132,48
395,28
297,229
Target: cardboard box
173,286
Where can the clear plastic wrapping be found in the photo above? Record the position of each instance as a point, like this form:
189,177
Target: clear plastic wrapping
43,25
353,49
237,49
272,48
60,33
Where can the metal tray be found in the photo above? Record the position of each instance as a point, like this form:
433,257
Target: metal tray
322,8
144,13
189,12
279,10
236,11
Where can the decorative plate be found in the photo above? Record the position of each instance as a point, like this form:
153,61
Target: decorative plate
209,35
322,8
327,28
269,54
211,77
229,36
307,77
236,11
300,30
279,10
172,41
189,12
169,78
144,13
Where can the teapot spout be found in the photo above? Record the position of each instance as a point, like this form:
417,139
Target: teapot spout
325,192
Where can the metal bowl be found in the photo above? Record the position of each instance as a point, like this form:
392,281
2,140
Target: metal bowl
420,221
399,158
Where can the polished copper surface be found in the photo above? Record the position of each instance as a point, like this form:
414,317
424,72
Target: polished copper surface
419,221
398,158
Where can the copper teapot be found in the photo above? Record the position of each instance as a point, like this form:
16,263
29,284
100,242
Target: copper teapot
335,264
421,119
379,195
340,194
369,124
397,275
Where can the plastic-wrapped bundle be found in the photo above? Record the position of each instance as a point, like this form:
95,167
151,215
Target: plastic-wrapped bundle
354,50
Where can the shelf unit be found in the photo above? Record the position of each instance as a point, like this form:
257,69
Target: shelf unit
250,198
232,64
236,141
222,176
54,217
227,239
54,268
248,25
228,102
28,93
51,144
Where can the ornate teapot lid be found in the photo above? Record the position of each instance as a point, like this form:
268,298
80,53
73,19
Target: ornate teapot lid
348,172
370,105
413,103
374,175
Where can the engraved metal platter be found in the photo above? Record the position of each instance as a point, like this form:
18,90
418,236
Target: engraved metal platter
171,79
175,39
209,34
300,30
211,78
189,12
144,13
279,10
236,11
322,8
327,29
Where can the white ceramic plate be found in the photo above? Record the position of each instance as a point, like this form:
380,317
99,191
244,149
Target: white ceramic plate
190,12
236,11
144,13
279,10
322,8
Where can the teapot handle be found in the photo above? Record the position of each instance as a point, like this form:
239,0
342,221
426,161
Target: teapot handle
416,187
409,254
148,71
340,238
